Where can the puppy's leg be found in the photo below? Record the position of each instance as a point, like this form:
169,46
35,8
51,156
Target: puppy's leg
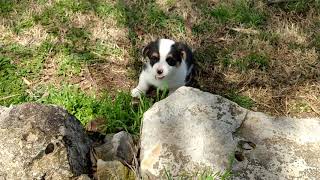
142,87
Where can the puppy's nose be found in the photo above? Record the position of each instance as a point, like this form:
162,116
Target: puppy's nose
159,71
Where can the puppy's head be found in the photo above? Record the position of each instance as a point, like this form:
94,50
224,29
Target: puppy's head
164,56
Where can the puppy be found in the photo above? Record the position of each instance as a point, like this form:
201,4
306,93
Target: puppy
167,64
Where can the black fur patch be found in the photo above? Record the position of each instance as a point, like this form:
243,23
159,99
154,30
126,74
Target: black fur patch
150,50
178,49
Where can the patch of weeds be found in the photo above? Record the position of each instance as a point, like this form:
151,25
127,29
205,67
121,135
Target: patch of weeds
53,18
150,18
118,112
299,7
77,34
171,2
24,24
28,61
252,61
294,45
241,11
103,48
57,16
6,7
222,13
273,38
68,66
17,51
115,11
18,62
243,101
302,107
203,27
77,41
78,44
32,67
12,89
207,54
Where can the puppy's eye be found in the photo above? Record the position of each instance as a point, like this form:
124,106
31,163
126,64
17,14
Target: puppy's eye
171,61
153,60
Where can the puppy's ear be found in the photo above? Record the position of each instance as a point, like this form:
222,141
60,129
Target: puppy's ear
145,51
183,49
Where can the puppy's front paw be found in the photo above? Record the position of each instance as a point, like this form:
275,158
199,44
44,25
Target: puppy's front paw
136,92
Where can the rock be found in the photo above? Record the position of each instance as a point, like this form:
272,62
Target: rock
83,177
286,148
116,147
113,170
123,146
187,132
193,131
42,142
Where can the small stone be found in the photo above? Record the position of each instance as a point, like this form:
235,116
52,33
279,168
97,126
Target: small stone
117,146
83,177
113,170
123,146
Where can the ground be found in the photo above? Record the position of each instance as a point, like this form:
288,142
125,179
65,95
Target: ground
85,54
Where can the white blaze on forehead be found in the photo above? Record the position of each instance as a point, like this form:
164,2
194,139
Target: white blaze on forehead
165,47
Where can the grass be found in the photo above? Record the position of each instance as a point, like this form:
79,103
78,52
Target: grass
300,7
241,11
252,61
12,89
243,101
118,112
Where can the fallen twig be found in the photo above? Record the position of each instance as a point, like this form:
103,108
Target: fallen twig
280,1
7,97
245,31
313,108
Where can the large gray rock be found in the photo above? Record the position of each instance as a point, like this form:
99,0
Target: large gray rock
286,148
188,131
42,142
192,131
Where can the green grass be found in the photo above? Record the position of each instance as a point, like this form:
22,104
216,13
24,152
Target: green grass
12,89
118,112
18,62
68,66
150,18
251,61
272,37
299,7
243,101
240,11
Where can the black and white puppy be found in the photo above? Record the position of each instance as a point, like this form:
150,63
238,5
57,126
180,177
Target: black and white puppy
167,64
